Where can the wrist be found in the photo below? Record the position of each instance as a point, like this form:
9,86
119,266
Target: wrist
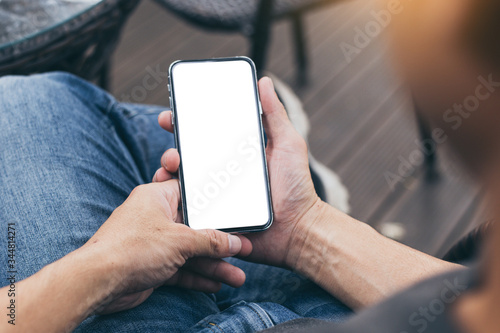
103,271
300,246
322,236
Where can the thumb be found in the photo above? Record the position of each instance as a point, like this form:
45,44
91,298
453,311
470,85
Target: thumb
275,120
216,244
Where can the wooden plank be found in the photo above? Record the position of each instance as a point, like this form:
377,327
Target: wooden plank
363,173
436,213
430,212
321,33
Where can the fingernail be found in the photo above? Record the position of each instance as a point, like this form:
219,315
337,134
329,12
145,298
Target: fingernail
234,244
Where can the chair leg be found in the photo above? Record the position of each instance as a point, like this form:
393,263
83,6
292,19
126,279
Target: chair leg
259,51
429,146
300,47
104,76
261,34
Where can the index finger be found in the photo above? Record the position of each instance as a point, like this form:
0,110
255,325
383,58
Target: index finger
165,121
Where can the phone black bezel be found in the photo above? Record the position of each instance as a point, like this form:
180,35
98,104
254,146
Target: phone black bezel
177,142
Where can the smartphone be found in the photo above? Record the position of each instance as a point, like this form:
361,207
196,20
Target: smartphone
217,121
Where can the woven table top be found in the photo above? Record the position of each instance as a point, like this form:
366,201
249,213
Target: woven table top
22,20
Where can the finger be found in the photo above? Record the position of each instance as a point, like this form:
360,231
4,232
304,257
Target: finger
275,120
190,280
161,175
165,121
170,190
170,160
246,246
217,270
215,244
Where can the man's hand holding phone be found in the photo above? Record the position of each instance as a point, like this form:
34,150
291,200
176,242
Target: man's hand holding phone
149,250
292,189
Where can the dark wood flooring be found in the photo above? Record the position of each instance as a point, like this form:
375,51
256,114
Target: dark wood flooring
362,124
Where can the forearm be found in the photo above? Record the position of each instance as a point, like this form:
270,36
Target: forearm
60,296
352,261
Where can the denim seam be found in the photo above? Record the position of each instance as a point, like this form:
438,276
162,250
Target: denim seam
129,114
145,113
116,107
210,326
314,308
258,314
112,103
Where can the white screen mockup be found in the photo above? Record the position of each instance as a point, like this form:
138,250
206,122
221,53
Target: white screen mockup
217,114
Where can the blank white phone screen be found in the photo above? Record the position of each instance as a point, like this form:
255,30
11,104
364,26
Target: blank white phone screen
219,137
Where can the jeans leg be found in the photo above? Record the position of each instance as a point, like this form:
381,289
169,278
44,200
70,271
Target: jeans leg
168,309
248,317
245,317
283,287
70,154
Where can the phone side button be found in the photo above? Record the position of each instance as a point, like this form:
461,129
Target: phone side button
172,118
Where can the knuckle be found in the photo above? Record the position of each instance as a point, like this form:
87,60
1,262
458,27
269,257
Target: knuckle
139,190
214,241
134,192
142,193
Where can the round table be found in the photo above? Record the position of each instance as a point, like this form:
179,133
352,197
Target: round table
77,36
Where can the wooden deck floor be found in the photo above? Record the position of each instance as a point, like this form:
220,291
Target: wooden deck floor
361,119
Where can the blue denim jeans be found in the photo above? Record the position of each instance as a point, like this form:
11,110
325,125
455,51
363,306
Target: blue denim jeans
70,154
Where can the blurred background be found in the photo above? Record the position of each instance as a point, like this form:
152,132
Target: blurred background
333,54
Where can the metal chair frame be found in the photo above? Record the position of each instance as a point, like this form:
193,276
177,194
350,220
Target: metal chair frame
259,34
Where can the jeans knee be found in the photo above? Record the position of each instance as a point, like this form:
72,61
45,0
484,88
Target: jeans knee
16,89
46,100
